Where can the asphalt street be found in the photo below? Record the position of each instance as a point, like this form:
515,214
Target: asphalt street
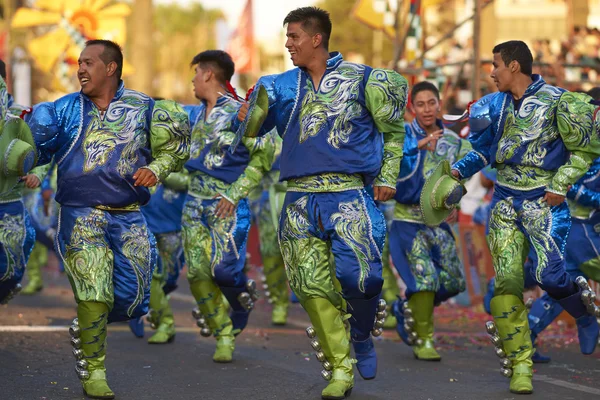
270,362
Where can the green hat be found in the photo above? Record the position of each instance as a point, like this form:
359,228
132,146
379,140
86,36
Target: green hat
258,109
17,153
440,195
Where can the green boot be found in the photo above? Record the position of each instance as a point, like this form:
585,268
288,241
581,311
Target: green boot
510,316
276,288
421,304
161,314
37,259
390,290
89,341
331,341
215,318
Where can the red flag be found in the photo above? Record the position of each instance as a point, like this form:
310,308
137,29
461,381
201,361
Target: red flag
241,45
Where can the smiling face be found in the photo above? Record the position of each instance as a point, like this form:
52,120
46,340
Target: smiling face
93,74
426,107
300,44
502,74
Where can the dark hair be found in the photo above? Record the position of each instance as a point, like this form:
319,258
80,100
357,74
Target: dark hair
3,70
314,20
422,87
112,53
516,50
594,93
219,61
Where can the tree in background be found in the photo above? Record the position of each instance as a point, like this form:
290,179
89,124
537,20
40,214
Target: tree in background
350,36
180,32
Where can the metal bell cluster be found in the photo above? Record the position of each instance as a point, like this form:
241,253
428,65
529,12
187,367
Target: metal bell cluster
201,322
248,298
152,318
81,364
379,318
314,343
529,303
12,294
266,289
409,326
588,296
505,363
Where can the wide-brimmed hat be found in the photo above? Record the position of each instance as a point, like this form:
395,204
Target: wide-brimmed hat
258,109
17,153
440,195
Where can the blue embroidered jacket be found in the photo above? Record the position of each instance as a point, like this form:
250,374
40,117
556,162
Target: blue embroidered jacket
213,168
345,132
97,156
548,141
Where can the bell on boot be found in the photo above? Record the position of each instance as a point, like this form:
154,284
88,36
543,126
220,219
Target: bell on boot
310,332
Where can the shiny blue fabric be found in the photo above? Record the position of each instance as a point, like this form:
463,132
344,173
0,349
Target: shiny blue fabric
233,164
553,278
163,211
485,138
363,154
59,130
412,173
317,210
113,232
44,225
586,191
583,244
426,259
14,223
228,269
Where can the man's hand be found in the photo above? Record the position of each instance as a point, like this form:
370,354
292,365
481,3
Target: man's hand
430,141
225,208
144,177
383,193
553,199
31,181
243,112
455,174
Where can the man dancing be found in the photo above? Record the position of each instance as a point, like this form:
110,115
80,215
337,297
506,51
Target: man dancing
110,144
424,251
216,215
342,128
541,139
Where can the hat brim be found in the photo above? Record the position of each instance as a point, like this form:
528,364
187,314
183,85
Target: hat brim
432,216
14,128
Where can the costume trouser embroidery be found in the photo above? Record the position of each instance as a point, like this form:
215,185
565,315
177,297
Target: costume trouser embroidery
520,222
17,237
170,259
109,258
347,224
427,259
215,252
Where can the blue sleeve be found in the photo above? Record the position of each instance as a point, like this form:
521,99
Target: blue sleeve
45,128
481,138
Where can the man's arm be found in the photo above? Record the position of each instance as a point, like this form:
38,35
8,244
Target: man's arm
579,132
481,139
262,155
169,140
385,95
45,128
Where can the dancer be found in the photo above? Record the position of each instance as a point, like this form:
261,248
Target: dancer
541,140
424,250
342,129
216,215
110,144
